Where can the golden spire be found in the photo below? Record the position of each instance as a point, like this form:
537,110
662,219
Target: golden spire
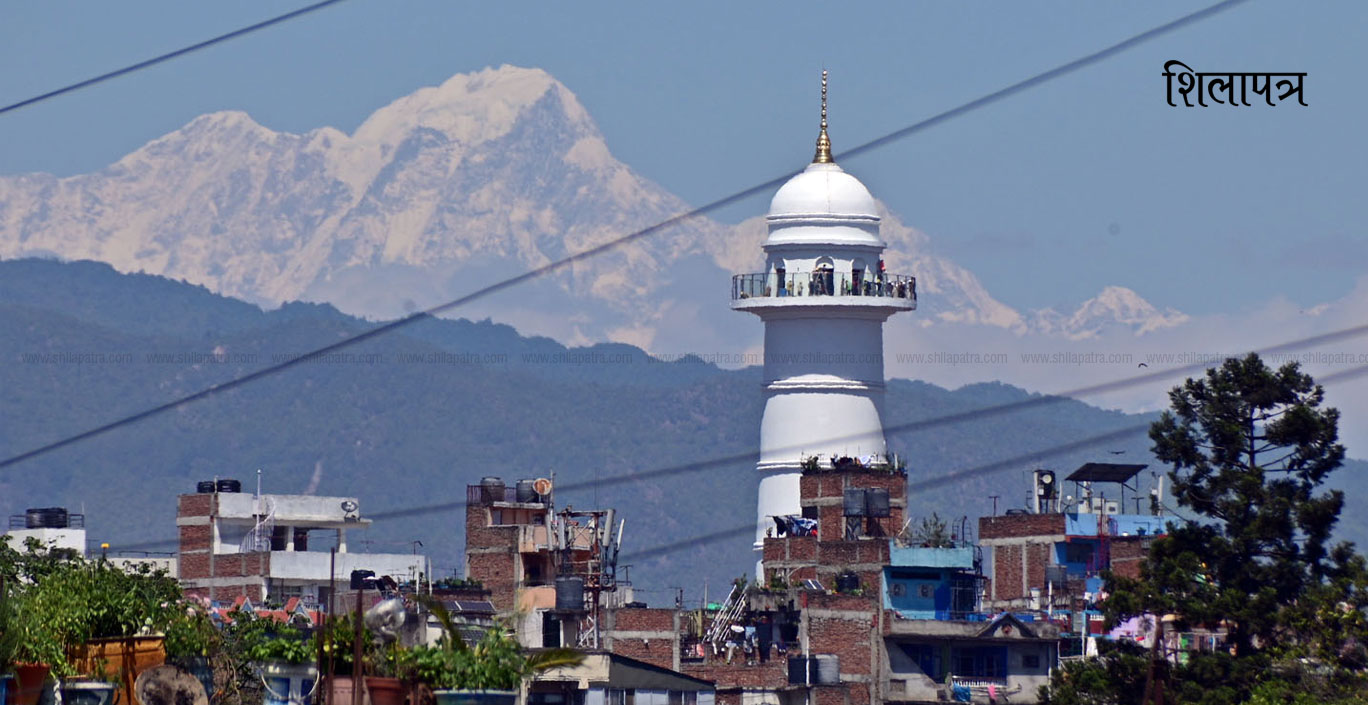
823,142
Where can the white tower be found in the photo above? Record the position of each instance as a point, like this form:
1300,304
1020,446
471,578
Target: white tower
823,298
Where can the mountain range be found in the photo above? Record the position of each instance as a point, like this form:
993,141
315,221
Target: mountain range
442,192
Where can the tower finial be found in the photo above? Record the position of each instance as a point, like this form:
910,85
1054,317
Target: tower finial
823,142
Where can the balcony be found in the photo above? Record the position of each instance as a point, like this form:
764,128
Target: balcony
898,290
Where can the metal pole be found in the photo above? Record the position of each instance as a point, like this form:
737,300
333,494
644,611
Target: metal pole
358,667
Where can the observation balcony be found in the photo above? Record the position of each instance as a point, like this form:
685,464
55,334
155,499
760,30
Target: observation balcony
898,291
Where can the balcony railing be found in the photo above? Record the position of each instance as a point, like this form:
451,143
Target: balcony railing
824,283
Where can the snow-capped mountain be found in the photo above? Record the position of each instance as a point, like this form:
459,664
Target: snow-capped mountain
455,186
1115,307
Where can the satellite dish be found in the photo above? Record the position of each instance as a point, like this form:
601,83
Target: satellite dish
349,506
542,486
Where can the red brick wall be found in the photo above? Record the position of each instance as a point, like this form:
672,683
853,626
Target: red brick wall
1128,553
835,695
849,553
636,619
659,652
194,505
1037,557
497,572
238,565
195,537
1007,572
195,565
1021,525
493,537
476,517
848,639
825,490
773,674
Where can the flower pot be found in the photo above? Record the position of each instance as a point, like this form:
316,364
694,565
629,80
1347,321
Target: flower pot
385,691
203,671
288,683
87,693
27,686
475,697
342,690
121,660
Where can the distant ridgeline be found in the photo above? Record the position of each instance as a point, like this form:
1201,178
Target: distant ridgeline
409,419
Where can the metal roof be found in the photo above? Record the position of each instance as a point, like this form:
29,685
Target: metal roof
1105,472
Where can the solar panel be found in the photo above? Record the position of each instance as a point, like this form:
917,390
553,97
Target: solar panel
1105,472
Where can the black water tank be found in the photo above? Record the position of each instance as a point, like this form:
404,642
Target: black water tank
525,492
492,489
823,669
569,592
828,669
229,486
876,502
46,518
853,502
205,487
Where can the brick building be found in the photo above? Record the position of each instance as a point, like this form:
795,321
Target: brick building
1050,559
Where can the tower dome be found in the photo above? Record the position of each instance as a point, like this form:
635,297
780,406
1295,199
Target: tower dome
823,190
823,204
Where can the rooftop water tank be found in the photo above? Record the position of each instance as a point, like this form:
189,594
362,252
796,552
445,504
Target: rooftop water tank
46,518
229,486
492,489
205,487
526,493
569,592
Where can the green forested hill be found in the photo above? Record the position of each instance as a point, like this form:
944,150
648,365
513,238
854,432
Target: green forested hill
408,420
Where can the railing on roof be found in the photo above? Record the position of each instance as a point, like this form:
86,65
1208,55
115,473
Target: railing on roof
480,494
824,283
20,521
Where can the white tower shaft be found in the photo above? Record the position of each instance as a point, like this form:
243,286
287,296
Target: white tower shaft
823,297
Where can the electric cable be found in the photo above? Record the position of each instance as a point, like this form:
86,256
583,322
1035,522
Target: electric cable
169,55
912,486
610,245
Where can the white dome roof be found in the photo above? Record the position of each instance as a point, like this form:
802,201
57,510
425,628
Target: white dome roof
823,191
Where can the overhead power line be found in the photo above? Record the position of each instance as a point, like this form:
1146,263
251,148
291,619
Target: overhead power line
169,55
619,242
1016,461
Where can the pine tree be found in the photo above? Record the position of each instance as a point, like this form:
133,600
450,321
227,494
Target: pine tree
1251,448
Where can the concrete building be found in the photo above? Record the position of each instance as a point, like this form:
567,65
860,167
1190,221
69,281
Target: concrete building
258,546
51,527
824,296
607,678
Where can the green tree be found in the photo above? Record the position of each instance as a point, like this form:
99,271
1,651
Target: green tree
1251,448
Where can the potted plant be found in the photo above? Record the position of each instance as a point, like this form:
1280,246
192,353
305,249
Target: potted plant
339,647
382,673
192,640
283,656
29,647
110,619
487,673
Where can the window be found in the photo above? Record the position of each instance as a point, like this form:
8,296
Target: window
1030,661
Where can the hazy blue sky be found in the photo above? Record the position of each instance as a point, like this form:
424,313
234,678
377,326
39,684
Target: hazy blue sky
1048,197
